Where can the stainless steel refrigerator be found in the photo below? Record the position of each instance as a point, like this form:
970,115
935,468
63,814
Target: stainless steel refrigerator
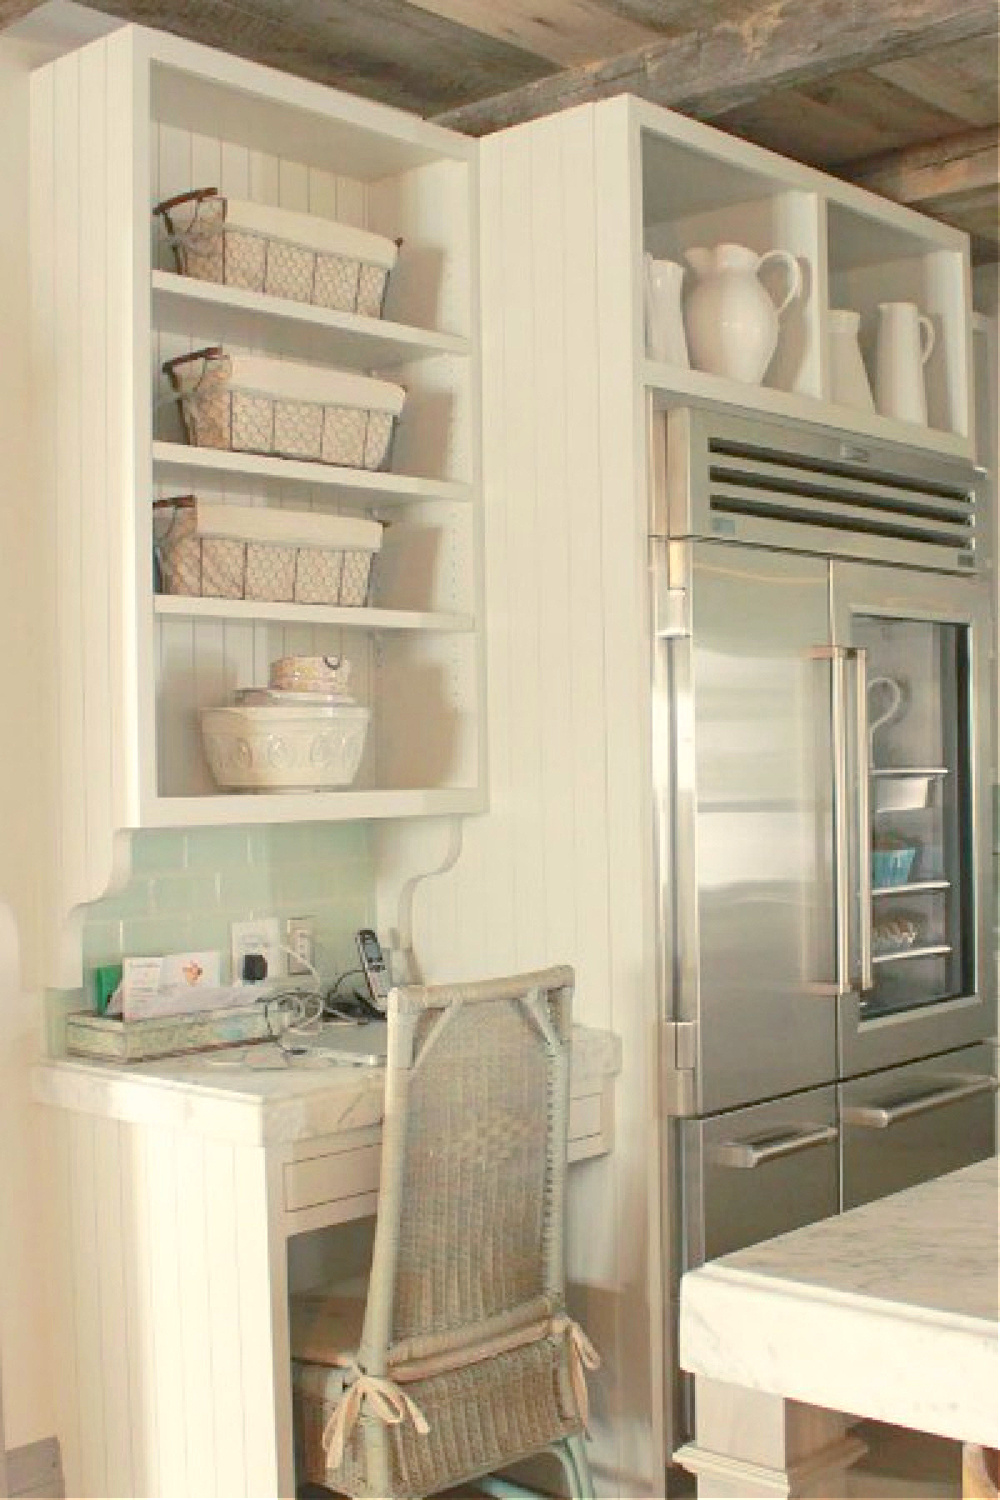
822,717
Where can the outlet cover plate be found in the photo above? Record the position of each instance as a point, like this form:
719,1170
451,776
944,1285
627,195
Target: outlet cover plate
258,935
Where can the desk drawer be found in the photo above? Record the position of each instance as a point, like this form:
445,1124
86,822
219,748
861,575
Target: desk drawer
334,1175
350,1172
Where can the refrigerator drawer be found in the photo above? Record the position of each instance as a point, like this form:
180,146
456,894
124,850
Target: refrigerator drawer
753,1173
910,1124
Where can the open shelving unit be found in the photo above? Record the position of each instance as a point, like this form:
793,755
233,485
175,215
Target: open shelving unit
160,117
696,186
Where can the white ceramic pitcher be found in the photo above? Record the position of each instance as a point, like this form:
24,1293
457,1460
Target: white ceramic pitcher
849,384
665,338
905,341
732,322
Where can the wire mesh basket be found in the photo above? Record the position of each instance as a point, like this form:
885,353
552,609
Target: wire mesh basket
250,404
209,550
298,256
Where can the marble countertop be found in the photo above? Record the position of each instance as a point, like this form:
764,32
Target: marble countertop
252,1095
887,1311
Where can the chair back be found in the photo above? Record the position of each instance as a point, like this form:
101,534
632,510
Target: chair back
469,1248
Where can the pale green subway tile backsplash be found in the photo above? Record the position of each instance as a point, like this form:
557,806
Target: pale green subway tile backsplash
161,851
186,889
183,893
213,848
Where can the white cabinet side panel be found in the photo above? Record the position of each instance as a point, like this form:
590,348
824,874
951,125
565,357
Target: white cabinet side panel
65,433
96,559
627,725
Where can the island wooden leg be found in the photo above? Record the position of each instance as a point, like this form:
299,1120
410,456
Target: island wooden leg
750,1444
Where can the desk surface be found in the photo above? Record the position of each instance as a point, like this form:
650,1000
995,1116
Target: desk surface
251,1095
888,1311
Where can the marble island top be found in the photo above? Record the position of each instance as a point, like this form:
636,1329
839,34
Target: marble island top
887,1311
252,1095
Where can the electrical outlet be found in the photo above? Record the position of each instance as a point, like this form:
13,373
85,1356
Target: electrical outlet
257,940
300,940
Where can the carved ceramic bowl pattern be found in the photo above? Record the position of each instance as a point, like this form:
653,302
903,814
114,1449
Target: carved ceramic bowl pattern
277,749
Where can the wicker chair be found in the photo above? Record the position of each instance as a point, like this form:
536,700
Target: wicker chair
462,1359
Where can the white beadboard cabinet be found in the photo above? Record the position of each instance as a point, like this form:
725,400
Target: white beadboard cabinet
562,865
116,126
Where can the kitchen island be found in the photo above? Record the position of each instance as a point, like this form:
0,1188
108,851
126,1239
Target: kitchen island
888,1312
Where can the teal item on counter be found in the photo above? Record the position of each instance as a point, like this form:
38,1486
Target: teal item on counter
101,985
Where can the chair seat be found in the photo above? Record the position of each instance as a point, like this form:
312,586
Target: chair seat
325,1326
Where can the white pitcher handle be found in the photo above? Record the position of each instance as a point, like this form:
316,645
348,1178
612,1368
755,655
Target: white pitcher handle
794,274
926,338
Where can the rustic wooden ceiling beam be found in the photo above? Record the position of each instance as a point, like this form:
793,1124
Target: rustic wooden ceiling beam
926,174
708,71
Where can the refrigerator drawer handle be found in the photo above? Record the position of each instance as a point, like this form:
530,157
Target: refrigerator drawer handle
746,1155
881,1116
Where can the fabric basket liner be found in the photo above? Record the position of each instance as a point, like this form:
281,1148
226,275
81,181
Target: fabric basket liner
286,528
312,232
291,380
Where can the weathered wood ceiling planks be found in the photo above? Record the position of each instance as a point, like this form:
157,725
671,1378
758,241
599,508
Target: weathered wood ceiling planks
894,93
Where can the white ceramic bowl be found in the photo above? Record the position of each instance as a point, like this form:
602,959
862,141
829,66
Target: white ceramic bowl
283,749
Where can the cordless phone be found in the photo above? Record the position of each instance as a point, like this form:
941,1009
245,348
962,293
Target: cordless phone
375,968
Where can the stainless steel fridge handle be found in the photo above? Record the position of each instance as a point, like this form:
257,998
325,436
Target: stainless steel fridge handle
746,1155
863,808
841,872
882,1116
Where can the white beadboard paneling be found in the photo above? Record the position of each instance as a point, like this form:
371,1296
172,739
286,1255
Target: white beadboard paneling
221,1249
43,354
194,1312
86,1253
161,1208
94,562
585,565
122,137
65,434
68,1367
262,1286
140,1412
170,1314
517,408
110,1278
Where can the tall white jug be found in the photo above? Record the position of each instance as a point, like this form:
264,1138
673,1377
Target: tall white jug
905,341
665,338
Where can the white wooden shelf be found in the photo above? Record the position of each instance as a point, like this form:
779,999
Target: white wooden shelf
256,320
220,808
186,466
670,385
249,611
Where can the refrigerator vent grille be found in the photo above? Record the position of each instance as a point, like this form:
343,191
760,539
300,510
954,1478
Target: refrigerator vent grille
750,480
